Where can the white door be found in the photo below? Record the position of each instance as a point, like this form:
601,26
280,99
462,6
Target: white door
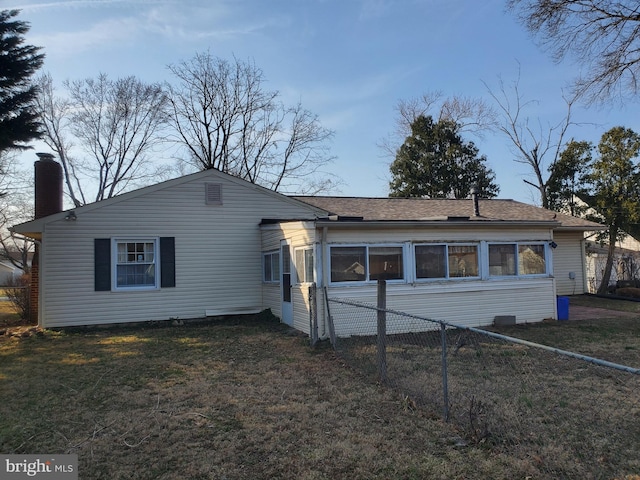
285,282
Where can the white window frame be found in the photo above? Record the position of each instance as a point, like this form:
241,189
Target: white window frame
518,244
271,258
447,276
155,262
367,246
304,268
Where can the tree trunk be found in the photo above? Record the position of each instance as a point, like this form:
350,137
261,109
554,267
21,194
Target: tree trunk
606,276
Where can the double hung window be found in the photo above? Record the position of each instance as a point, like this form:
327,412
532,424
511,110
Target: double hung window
136,263
271,267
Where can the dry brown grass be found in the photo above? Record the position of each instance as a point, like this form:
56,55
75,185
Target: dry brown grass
236,400
242,399
562,417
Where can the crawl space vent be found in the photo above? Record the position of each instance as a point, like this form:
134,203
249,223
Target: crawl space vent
213,194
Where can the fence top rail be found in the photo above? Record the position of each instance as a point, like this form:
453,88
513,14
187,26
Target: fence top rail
499,336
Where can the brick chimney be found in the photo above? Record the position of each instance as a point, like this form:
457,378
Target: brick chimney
48,200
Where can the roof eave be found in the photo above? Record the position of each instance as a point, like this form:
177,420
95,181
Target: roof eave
433,223
583,228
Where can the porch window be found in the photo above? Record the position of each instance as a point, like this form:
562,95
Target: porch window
136,263
367,263
463,261
431,261
304,265
435,261
502,259
385,263
271,267
348,264
517,259
531,259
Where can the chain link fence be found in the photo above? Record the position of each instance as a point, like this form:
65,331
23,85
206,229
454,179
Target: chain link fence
562,414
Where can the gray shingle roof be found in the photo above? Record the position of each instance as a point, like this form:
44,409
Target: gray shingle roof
417,209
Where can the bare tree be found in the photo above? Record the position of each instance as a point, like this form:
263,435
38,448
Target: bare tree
16,206
471,115
603,35
227,121
55,114
114,126
533,144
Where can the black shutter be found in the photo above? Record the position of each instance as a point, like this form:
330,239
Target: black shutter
167,262
102,264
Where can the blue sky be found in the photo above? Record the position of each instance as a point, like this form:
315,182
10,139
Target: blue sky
348,61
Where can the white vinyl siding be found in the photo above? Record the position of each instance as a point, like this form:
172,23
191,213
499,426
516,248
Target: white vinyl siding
218,261
470,304
300,236
569,263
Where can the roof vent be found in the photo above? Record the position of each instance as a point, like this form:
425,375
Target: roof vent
474,197
213,194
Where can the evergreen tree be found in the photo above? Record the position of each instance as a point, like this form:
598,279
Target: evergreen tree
435,162
18,62
567,177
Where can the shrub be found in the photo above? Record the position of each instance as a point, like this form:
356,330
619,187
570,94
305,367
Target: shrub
628,292
18,292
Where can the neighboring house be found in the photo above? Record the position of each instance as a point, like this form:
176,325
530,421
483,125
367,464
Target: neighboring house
8,272
210,244
8,269
626,262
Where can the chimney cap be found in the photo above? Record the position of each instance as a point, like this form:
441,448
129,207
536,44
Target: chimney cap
45,156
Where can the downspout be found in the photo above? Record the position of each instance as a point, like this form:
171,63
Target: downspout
40,272
583,256
325,281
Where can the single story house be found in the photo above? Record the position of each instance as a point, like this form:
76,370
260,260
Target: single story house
210,244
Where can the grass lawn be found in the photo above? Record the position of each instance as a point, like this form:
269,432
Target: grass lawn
615,339
233,400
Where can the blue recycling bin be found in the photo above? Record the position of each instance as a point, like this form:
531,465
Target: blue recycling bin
563,308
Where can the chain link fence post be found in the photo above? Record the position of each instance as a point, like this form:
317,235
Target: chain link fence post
445,380
382,331
313,314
